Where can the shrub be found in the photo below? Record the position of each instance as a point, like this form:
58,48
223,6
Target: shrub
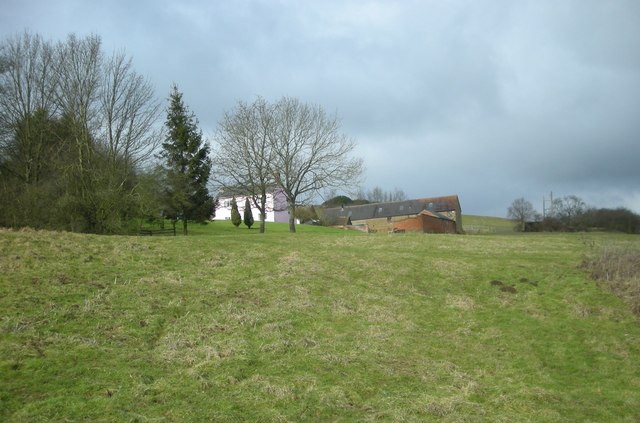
235,214
248,214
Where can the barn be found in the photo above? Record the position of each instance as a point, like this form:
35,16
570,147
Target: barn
428,215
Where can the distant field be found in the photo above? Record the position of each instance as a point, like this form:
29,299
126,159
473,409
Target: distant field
324,325
487,225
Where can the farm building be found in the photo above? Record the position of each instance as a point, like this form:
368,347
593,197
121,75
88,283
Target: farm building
428,215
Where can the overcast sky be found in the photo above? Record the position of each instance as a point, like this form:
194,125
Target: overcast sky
490,100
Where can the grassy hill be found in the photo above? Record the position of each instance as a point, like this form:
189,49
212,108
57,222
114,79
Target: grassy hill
487,225
323,325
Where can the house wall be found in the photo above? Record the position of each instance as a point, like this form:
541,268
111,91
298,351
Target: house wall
281,211
274,205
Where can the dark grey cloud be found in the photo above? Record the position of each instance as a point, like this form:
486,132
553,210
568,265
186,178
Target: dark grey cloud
489,100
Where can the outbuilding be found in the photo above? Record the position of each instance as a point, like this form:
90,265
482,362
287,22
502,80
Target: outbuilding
428,215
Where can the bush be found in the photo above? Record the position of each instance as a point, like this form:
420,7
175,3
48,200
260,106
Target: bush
306,214
248,214
326,220
235,214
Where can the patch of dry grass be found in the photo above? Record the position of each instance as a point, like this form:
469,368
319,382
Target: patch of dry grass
618,270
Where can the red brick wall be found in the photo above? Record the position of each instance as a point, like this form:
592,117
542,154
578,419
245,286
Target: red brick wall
438,226
427,224
412,224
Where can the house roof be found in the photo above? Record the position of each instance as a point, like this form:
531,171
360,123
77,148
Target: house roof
432,206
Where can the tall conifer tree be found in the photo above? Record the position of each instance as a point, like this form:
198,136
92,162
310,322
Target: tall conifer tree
187,164
235,214
248,214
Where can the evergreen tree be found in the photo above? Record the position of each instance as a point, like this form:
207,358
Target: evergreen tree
187,165
248,214
235,214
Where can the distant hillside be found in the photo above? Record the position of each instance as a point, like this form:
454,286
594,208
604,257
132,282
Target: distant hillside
486,225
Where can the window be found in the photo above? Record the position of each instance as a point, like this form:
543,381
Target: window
227,203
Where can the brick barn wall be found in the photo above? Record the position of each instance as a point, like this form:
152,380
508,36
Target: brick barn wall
419,223
455,215
438,226
427,224
412,224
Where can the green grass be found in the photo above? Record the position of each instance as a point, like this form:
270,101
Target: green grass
324,325
225,227
487,225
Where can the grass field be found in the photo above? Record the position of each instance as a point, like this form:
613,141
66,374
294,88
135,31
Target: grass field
324,325
487,225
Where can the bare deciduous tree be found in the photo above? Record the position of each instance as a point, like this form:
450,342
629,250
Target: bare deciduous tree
78,63
129,112
291,145
243,154
310,154
521,211
567,209
378,195
26,84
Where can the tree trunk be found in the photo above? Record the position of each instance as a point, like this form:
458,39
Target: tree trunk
292,218
262,225
263,212
184,226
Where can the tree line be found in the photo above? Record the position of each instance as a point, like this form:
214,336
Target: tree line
82,147
570,213
76,126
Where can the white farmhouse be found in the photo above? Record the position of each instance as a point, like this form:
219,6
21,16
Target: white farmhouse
276,207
